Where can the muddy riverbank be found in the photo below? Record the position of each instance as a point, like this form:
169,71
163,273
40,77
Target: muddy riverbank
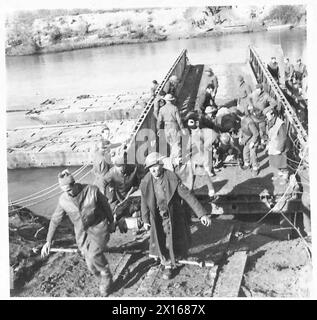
275,266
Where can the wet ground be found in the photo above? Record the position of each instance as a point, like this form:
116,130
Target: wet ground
275,266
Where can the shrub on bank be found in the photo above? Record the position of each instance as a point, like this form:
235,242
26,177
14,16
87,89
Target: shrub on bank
137,34
286,14
104,33
126,22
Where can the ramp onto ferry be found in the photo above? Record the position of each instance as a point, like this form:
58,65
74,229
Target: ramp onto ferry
238,192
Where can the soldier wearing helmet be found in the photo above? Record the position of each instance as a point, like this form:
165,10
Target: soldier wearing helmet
163,215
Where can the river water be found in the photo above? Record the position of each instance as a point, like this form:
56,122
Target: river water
33,79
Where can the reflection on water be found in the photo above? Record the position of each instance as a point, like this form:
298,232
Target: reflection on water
32,79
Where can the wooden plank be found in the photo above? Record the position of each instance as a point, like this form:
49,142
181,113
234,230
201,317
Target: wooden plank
229,281
121,265
212,273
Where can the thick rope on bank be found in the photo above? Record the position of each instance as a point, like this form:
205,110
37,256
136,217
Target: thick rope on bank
50,197
45,191
284,216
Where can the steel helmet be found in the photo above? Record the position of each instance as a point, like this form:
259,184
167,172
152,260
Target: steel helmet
152,159
169,97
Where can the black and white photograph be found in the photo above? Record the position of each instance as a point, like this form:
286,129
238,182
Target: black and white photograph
158,150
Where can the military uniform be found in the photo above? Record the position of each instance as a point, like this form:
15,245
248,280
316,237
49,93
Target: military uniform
120,184
244,91
260,101
300,71
170,118
91,215
249,134
274,71
161,208
101,166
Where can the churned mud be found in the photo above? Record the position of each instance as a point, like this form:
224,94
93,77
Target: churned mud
279,269
274,268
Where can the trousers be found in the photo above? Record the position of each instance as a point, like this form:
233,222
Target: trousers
250,156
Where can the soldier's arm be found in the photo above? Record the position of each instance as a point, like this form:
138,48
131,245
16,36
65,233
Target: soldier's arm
159,120
178,119
191,200
145,211
56,219
103,201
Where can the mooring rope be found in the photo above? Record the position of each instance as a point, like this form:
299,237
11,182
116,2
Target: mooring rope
42,193
50,197
275,206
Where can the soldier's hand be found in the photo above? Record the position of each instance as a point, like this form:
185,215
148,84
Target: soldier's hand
147,226
46,250
211,193
184,132
206,221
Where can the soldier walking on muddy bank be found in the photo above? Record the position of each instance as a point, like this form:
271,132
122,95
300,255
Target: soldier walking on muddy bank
91,215
162,213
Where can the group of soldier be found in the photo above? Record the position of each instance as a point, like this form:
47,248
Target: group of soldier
218,133
295,75
238,132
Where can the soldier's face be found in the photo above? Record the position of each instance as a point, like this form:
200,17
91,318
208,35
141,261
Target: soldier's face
156,170
69,189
